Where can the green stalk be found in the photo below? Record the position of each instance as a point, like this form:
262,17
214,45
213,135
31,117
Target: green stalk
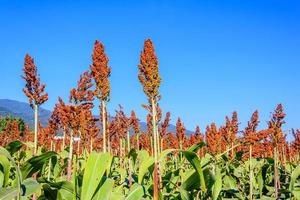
104,125
129,161
250,172
120,141
157,139
78,143
49,164
232,150
128,142
91,145
35,138
275,173
64,139
137,141
35,129
69,176
108,142
75,178
151,145
155,180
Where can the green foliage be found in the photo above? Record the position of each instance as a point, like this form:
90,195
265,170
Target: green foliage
101,176
94,170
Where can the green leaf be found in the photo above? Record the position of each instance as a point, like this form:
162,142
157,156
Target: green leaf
296,194
133,154
117,196
105,191
230,183
260,182
66,190
30,186
49,193
14,146
217,187
136,193
5,153
4,162
192,182
58,190
196,147
145,165
9,193
184,194
164,153
1,179
196,163
95,168
36,163
294,177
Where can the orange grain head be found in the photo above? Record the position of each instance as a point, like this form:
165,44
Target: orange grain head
33,89
148,67
100,71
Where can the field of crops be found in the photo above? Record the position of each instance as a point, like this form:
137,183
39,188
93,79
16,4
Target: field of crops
81,156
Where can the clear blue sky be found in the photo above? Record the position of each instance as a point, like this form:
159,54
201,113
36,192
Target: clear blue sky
215,56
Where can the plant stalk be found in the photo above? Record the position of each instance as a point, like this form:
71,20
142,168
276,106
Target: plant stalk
69,176
104,125
49,165
155,180
275,173
129,161
250,173
35,129
64,139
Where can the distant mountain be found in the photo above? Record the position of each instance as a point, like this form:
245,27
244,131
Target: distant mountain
23,110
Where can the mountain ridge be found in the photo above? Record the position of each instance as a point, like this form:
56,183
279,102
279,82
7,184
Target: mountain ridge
14,108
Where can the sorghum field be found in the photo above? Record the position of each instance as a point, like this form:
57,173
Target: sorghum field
81,156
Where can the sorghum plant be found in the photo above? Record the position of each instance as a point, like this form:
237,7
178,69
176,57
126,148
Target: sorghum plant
34,90
101,72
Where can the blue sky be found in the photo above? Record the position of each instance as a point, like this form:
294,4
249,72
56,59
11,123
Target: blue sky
215,57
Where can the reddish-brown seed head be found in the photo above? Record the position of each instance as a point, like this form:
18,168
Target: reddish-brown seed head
149,76
33,89
100,71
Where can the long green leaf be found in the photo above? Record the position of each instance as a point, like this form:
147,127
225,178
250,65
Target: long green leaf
58,190
196,147
294,176
36,163
95,168
217,187
184,194
4,152
8,193
30,186
4,162
145,165
136,193
14,146
196,163
105,191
